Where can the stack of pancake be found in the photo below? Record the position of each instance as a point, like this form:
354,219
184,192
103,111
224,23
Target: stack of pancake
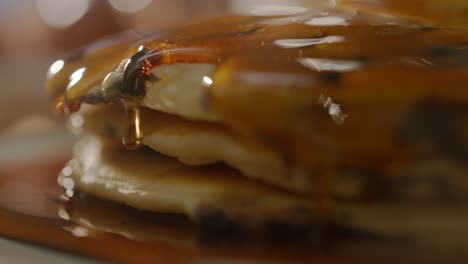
254,118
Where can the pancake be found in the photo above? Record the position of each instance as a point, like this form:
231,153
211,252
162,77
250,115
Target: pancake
182,89
199,143
150,181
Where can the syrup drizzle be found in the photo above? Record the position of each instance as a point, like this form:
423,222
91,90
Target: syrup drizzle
137,71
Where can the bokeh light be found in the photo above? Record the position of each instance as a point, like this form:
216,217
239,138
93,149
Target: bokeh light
130,6
62,13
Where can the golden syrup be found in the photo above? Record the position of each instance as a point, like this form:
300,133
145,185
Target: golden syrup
329,88
134,136
87,69
448,12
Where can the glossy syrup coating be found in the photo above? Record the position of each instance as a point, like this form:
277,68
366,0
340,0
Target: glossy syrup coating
327,87
68,78
439,12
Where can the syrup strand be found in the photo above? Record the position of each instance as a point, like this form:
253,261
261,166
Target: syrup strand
134,136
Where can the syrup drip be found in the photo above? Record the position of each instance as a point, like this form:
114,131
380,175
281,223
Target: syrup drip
137,71
134,136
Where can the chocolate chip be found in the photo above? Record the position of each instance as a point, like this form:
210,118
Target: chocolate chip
215,226
331,78
434,128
